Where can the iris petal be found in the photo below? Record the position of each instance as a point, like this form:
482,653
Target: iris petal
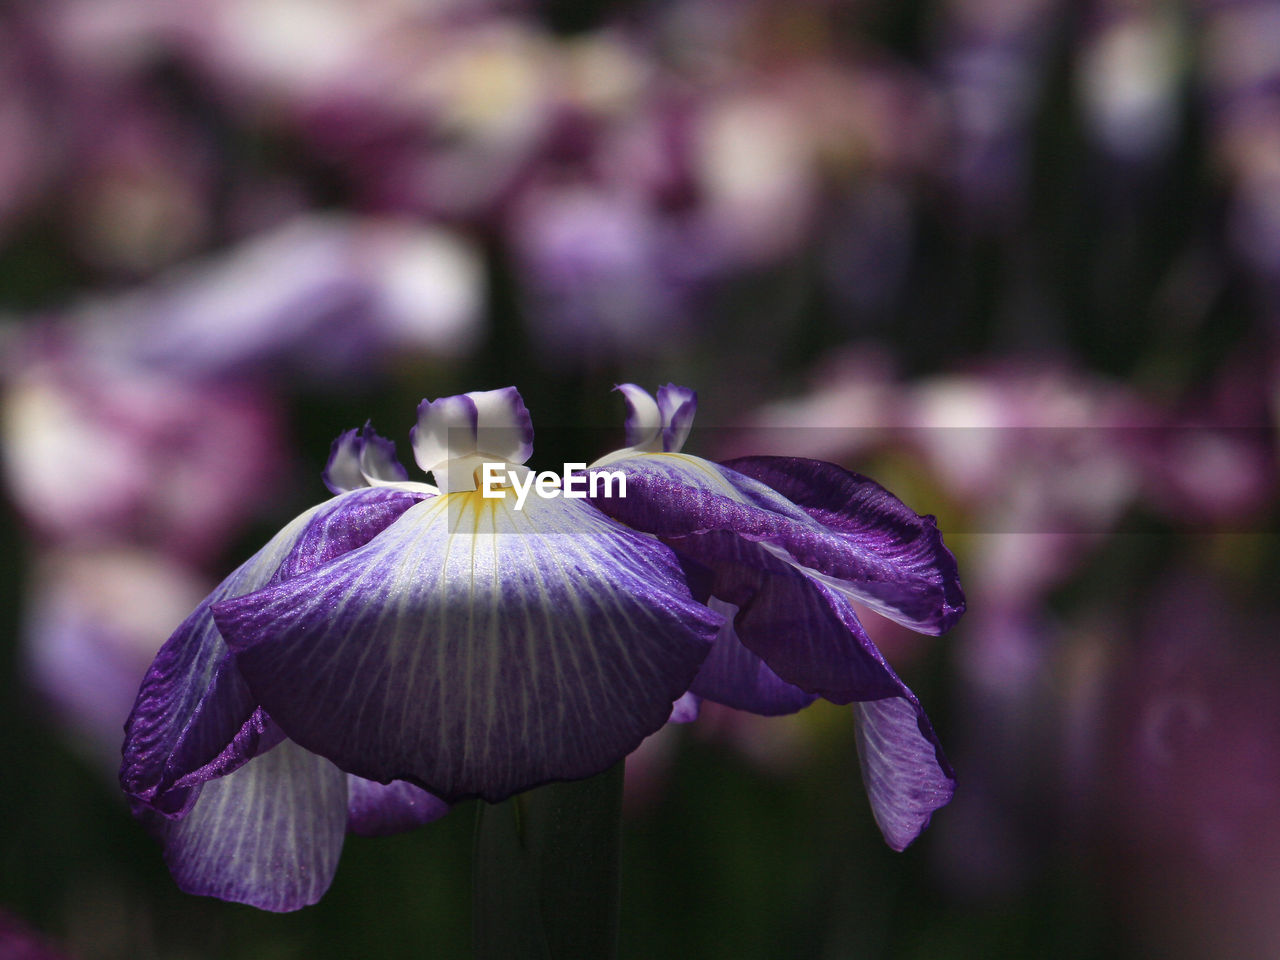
736,677
378,809
492,422
268,834
342,472
644,417
475,649
191,703
807,633
838,527
378,459
678,406
904,771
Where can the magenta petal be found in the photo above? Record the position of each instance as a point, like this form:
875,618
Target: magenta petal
268,835
379,809
474,649
904,771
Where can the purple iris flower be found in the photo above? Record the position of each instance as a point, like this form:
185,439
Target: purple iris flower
472,641
784,547
479,645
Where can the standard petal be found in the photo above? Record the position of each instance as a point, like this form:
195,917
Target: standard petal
644,418
904,771
192,704
342,472
504,426
379,809
475,649
736,677
445,430
841,528
378,458
491,422
678,406
268,834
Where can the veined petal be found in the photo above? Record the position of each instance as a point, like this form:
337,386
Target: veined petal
192,704
736,677
379,809
841,528
342,525
809,639
475,649
229,727
904,771
268,834
807,634
491,422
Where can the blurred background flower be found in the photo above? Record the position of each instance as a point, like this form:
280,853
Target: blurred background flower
1019,260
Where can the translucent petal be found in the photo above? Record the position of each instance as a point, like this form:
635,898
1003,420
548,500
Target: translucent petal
269,834
904,771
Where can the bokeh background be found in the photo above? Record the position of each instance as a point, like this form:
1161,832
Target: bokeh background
1019,260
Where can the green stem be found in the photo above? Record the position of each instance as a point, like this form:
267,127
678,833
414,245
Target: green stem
547,874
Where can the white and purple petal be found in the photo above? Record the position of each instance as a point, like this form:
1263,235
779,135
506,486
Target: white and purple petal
379,809
342,473
378,461
474,649
491,422
643,425
268,834
192,705
360,457
840,528
806,637
678,406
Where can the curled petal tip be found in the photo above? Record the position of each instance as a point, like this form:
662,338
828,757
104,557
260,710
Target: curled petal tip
494,423
643,425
